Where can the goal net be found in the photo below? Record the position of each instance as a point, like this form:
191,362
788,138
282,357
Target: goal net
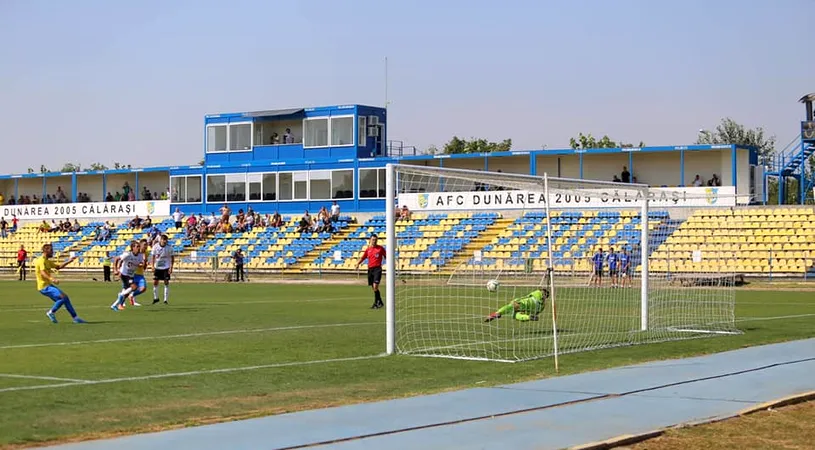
506,267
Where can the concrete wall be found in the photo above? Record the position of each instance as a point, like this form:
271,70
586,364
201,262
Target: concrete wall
705,164
656,169
604,167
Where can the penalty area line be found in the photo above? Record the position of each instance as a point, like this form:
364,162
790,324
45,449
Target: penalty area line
755,319
190,335
37,377
192,373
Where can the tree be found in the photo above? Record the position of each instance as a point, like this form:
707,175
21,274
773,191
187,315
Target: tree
457,145
44,169
30,170
71,167
587,141
731,132
98,166
117,166
432,150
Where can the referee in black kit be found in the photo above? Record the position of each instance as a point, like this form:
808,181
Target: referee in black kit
375,254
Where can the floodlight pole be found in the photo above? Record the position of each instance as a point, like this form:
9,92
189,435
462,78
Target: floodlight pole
390,259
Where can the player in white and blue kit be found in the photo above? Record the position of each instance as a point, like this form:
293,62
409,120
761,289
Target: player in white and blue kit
125,266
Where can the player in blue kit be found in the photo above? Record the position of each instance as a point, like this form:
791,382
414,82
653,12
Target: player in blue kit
597,268
625,268
612,259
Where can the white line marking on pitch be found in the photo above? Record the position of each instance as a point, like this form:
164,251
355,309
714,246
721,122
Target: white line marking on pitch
214,303
191,335
37,377
191,373
753,319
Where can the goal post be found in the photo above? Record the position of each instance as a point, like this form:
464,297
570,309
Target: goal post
562,240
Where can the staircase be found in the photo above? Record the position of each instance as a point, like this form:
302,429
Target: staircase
788,163
486,237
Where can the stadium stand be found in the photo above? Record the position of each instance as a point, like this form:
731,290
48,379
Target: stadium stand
760,240
265,247
780,240
577,234
427,242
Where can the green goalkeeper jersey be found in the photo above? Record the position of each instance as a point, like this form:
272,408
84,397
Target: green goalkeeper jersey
532,303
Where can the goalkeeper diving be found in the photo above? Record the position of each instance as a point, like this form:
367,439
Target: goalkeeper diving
523,309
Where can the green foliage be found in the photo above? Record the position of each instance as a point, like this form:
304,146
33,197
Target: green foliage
587,141
457,145
71,167
98,166
730,132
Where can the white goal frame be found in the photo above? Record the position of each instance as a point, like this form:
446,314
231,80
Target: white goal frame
544,182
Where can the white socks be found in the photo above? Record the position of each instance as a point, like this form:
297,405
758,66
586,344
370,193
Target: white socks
166,293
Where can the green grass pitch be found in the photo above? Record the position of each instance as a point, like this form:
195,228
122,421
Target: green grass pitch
227,351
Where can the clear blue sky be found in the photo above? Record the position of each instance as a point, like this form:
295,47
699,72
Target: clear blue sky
115,80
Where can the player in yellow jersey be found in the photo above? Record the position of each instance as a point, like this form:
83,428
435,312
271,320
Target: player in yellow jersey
138,276
47,283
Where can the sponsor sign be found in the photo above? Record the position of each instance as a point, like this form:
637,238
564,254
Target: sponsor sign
101,210
698,197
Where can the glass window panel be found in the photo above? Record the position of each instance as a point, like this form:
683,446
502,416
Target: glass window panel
216,138
342,130
315,133
286,186
301,190
216,188
381,177
342,184
194,189
269,186
236,188
367,183
320,184
362,131
240,137
178,189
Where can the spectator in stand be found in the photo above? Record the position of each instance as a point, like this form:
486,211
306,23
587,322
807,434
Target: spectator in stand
625,175
288,138
22,257
177,217
14,222
335,212
715,181
148,223
697,182
135,224
305,223
125,190
3,228
277,220
44,227
404,214
109,197
2,199
75,227
226,213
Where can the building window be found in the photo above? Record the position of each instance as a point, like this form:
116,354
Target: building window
342,184
320,184
194,189
254,186
240,137
216,138
216,188
269,186
300,185
342,131
236,187
315,132
362,132
185,189
371,183
285,186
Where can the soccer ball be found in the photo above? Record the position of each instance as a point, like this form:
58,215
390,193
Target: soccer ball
492,285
